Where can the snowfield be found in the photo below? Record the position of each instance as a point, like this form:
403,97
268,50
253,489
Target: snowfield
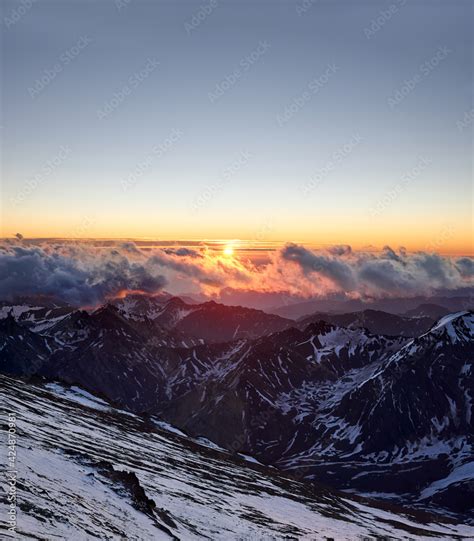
89,471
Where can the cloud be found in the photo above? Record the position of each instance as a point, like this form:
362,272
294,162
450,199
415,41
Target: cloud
204,269
88,273
186,268
340,249
182,252
388,253
465,266
86,280
339,272
386,273
440,271
383,275
130,247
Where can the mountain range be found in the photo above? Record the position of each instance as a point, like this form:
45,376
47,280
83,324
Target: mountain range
371,403
438,304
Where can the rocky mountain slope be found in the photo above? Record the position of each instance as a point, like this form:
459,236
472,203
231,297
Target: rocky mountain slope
89,471
209,321
37,313
400,429
382,415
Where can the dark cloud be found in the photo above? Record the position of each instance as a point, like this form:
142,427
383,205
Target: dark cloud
440,271
388,253
340,249
465,265
34,270
130,247
385,275
337,271
182,252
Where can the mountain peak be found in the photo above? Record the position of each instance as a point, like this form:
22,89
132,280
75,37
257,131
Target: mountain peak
175,302
108,316
9,323
457,327
106,308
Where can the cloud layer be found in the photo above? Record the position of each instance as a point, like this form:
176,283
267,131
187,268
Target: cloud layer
386,273
73,275
87,274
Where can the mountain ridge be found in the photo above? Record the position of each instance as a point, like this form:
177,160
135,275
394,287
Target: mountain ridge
298,398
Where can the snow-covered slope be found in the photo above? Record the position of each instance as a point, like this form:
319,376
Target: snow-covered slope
36,315
87,471
401,429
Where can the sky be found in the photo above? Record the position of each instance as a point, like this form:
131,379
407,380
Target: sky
315,121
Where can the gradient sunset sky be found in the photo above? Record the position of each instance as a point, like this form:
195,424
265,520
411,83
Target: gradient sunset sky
313,121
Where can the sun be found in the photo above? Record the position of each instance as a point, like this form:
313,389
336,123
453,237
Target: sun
228,251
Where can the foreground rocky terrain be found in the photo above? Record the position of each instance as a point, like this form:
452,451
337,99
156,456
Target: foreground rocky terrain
89,471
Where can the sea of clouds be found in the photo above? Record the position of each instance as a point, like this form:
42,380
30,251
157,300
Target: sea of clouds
85,273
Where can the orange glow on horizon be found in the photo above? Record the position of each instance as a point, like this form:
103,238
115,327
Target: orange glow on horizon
450,247
449,233
450,237
124,292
